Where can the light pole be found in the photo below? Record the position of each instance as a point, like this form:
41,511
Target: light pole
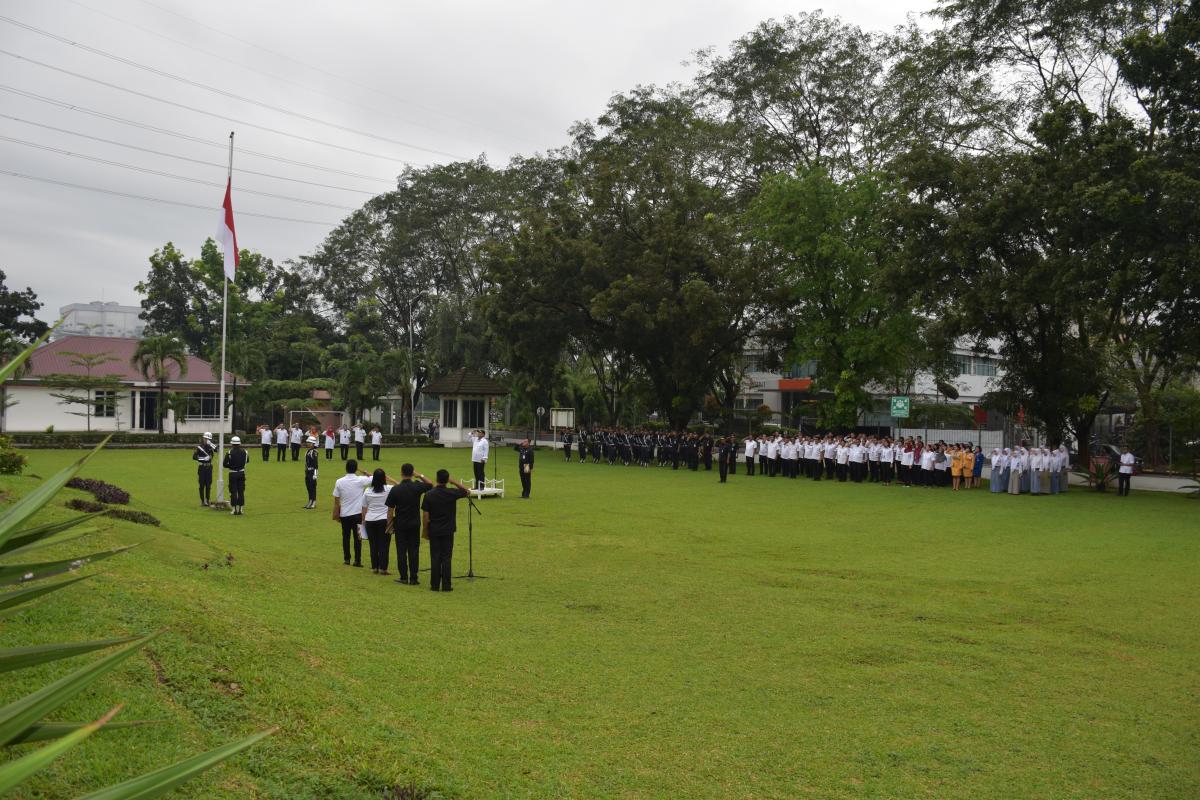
412,378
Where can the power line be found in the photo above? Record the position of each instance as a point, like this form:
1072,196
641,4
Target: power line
162,174
252,68
241,170
185,136
215,90
258,46
185,107
213,209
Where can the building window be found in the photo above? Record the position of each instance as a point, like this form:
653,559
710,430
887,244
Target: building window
473,413
985,367
748,402
203,405
449,413
975,365
105,401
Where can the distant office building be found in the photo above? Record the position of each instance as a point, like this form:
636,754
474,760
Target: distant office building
111,320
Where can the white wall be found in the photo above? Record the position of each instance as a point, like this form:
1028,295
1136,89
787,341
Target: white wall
35,410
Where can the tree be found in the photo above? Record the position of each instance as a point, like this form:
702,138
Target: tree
18,324
153,358
832,241
177,404
88,384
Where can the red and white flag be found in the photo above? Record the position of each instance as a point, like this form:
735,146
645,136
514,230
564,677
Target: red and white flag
226,235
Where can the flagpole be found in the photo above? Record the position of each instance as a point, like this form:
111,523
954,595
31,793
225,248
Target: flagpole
224,327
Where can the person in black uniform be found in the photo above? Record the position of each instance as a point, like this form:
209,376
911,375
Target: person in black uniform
235,461
440,517
724,457
203,455
525,466
311,462
567,446
404,519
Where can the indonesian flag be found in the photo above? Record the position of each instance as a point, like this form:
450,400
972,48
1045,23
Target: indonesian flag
226,235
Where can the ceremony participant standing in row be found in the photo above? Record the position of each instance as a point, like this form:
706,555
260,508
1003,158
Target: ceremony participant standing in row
235,461
525,467
281,442
264,433
404,520
360,440
725,457
347,509
440,518
295,439
330,441
311,462
479,456
376,442
203,456
344,441
1125,472
375,521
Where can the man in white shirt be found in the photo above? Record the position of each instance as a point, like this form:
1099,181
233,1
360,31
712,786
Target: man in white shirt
1125,472
348,494
751,450
344,441
296,437
281,442
479,456
264,432
360,439
773,456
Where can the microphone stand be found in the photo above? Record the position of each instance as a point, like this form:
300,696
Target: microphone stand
471,507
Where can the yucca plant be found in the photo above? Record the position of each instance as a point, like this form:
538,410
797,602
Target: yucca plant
23,721
1100,474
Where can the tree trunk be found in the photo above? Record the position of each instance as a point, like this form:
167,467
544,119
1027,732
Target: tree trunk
162,405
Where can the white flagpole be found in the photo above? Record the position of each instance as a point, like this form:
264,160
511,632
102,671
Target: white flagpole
224,326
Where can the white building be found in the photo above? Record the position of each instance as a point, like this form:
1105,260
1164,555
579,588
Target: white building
100,319
130,407
782,391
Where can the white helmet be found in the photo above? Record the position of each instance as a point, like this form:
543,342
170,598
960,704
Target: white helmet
207,435
236,440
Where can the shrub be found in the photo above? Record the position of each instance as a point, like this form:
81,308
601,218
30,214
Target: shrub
11,462
104,492
86,506
128,514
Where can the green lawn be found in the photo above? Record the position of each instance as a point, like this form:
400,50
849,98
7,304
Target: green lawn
647,633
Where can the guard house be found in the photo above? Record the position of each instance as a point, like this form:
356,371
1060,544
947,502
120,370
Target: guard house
465,398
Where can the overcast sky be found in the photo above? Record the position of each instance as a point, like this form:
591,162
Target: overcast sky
458,78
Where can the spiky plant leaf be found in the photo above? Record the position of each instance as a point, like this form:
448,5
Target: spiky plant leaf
21,657
23,573
21,769
27,536
20,596
16,515
23,712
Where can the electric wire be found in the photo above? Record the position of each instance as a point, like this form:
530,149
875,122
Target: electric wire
366,87
185,136
201,111
241,170
129,195
161,174
243,65
215,90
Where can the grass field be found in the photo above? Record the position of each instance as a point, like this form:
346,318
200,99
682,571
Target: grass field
645,633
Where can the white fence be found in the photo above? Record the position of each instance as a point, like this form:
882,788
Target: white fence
985,439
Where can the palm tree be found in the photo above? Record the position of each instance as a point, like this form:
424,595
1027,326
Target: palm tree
151,359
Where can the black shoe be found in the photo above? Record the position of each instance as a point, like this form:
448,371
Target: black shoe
414,582
447,589
346,562
434,589
358,565
402,580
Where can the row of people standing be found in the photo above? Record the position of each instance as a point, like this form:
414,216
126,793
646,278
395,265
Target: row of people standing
282,438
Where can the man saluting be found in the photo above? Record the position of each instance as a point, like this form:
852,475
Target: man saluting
525,465
203,455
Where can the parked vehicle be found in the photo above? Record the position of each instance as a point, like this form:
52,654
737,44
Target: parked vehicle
1114,452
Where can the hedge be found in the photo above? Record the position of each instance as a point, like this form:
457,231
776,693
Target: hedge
65,440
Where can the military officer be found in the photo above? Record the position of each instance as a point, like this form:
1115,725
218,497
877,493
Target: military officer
235,461
203,455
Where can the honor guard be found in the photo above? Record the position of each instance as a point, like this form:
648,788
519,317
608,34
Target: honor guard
311,461
235,461
203,455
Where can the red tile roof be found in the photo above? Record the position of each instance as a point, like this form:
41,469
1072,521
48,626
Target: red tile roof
50,359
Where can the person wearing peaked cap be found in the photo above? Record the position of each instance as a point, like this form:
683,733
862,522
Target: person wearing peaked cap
235,461
311,461
203,455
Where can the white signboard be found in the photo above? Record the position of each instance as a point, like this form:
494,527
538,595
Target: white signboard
562,418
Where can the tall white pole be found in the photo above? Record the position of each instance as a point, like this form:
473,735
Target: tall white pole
224,327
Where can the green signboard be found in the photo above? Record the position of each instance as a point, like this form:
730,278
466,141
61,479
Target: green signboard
901,406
